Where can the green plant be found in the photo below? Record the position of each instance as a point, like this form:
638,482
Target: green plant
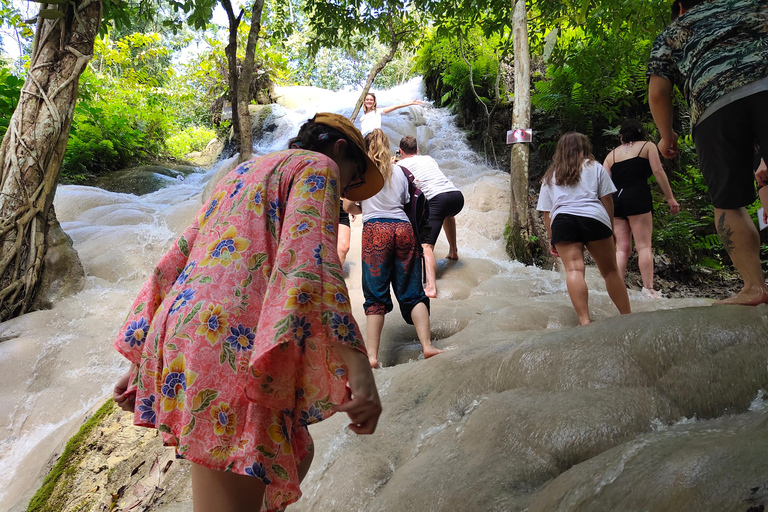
46,498
191,138
10,89
110,135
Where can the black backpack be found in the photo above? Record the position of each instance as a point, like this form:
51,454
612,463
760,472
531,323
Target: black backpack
418,213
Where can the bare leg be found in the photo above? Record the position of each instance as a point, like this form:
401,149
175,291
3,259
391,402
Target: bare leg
449,226
741,240
623,232
431,269
342,246
604,254
420,316
572,256
303,468
373,326
221,491
642,228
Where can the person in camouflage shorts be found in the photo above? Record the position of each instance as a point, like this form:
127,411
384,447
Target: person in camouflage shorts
716,53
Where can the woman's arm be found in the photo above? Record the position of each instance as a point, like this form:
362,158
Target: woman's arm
387,110
547,223
606,164
607,201
352,207
364,406
661,179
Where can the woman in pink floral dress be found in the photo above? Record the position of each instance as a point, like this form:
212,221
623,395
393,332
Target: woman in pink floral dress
243,335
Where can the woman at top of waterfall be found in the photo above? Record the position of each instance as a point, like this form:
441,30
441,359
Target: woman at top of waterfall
578,212
371,118
630,165
390,253
243,335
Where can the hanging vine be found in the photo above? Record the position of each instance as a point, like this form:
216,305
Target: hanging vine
33,147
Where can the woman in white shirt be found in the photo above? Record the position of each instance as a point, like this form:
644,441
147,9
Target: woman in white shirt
371,118
390,254
578,212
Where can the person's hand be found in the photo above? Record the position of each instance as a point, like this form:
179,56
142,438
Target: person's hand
416,102
553,251
668,147
674,208
124,399
363,405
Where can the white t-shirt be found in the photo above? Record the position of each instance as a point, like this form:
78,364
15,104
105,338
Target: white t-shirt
371,120
429,178
582,199
389,202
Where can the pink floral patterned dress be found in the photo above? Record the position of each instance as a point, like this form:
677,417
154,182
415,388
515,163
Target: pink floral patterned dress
233,334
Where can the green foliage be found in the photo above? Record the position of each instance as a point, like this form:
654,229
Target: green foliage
191,138
440,60
10,89
110,134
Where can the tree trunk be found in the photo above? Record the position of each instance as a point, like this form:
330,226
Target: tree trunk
521,118
244,84
372,75
231,52
33,147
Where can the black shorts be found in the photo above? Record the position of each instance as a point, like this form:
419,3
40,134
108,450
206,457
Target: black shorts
447,204
574,228
725,144
634,200
343,217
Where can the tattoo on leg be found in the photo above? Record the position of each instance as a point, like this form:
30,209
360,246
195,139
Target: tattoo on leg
725,232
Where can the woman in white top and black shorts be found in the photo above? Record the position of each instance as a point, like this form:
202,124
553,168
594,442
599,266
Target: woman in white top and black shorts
578,212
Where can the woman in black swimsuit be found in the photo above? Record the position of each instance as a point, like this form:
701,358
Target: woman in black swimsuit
630,165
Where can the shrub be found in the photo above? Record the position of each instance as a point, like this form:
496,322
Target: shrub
192,138
111,135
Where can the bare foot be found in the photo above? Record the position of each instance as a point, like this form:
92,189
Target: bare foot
374,362
430,292
651,293
585,322
453,255
747,297
431,351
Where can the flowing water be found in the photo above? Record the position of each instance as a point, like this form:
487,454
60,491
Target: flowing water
523,411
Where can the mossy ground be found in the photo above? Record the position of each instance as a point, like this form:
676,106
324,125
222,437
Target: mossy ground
53,493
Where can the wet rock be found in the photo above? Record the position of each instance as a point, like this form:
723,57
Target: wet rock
143,179
62,274
208,156
576,419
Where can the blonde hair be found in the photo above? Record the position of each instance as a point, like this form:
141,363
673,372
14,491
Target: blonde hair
572,149
375,103
377,145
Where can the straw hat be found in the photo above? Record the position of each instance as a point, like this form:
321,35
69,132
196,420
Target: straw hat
374,181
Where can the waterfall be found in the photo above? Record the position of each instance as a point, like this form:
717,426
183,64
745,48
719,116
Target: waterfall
519,398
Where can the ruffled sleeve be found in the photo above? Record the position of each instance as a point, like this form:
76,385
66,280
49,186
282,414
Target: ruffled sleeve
306,307
136,329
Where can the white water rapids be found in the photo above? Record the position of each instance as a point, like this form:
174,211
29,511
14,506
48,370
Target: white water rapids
520,396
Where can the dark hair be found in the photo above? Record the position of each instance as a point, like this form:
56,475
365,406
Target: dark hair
631,130
572,149
319,137
408,145
688,4
674,10
375,103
